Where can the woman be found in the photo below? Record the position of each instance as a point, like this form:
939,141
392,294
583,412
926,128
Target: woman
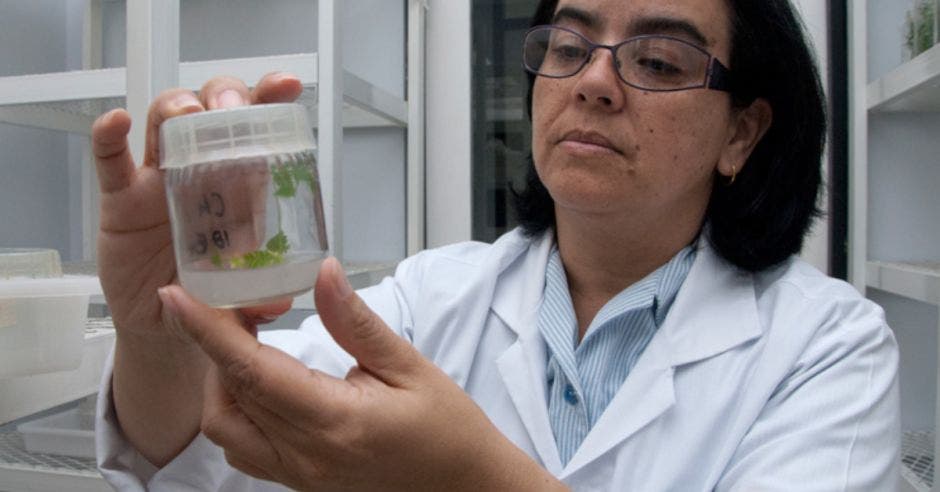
647,329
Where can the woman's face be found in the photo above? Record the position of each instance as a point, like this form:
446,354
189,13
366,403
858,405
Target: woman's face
603,147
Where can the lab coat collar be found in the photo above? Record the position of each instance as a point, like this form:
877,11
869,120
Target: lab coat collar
714,311
522,366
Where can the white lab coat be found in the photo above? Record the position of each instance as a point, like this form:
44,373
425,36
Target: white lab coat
783,380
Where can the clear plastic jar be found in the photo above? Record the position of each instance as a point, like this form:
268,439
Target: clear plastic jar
245,206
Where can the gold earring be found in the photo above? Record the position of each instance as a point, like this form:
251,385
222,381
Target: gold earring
734,174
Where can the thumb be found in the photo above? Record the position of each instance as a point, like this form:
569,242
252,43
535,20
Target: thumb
359,331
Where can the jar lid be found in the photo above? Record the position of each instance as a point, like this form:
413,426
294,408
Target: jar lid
233,133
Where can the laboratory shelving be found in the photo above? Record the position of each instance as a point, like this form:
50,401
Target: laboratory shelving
37,99
25,396
894,236
336,98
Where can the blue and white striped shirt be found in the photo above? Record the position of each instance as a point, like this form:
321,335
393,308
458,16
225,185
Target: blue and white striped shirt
583,378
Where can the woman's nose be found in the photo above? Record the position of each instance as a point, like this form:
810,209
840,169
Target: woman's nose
598,82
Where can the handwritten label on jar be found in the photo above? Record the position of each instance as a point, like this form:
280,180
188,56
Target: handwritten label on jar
221,207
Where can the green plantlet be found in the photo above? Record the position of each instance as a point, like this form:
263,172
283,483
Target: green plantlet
278,243
919,28
286,177
284,185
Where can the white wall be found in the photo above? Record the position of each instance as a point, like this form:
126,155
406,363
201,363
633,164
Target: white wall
448,122
37,203
816,20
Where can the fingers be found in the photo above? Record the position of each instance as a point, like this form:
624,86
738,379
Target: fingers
112,156
247,466
360,331
255,373
168,104
224,92
224,423
276,87
218,331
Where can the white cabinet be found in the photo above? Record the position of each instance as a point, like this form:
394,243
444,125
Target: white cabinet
894,244
65,62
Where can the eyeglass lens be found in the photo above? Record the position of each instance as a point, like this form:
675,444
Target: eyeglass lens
649,62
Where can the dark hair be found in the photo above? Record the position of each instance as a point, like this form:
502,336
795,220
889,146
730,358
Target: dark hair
763,217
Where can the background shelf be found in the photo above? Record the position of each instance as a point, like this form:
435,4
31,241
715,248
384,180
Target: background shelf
917,466
919,281
39,101
913,86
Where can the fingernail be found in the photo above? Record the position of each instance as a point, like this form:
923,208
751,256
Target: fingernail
185,101
342,283
229,98
167,299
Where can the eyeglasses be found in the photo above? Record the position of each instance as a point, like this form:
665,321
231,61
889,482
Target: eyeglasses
649,62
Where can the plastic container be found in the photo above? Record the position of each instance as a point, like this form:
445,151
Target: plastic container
245,205
30,262
42,320
69,433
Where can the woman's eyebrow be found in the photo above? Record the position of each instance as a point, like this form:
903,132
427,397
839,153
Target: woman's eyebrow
579,16
667,25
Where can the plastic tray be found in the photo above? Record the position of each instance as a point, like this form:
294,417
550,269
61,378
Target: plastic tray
70,433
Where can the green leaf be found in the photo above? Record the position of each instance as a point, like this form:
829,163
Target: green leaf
278,243
283,182
216,259
262,258
303,174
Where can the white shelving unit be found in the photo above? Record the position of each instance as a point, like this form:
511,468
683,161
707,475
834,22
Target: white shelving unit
22,470
894,236
336,98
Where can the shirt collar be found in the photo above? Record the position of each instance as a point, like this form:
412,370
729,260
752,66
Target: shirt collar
656,291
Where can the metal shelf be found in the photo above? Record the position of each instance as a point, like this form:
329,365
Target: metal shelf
70,101
40,472
917,466
913,86
919,281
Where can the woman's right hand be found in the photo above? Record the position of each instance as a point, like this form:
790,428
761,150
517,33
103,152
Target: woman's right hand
135,248
156,386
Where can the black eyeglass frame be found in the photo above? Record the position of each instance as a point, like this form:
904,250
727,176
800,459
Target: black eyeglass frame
717,76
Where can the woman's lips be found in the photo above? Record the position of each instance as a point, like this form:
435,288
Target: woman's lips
580,142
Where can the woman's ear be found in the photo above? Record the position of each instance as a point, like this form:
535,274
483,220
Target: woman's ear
746,128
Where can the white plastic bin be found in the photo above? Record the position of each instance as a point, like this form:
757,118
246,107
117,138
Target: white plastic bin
42,322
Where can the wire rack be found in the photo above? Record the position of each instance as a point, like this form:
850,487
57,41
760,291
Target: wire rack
917,459
13,454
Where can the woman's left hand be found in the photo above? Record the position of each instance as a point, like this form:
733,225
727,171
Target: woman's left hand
396,422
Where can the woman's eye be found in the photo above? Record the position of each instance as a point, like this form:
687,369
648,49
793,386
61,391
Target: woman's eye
569,52
658,66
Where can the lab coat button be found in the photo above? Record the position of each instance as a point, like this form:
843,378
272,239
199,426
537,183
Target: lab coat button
570,395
